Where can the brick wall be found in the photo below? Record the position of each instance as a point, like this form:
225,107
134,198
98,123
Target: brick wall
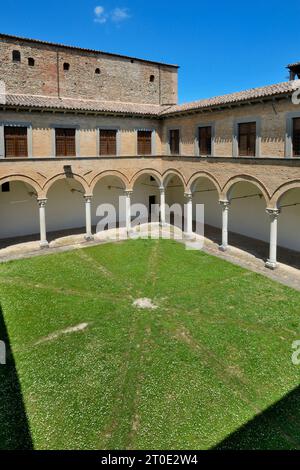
120,79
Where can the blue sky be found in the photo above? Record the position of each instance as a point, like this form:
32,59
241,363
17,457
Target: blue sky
221,46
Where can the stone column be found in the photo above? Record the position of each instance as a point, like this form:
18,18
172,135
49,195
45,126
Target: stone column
225,212
128,210
272,261
88,218
189,213
42,215
162,206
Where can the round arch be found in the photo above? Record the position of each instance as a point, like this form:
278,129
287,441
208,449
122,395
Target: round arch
48,185
229,186
25,179
281,191
104,174
191,185
169,174
146,172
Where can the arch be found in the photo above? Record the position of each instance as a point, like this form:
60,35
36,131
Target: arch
145,172
227,189
169,174
202,174
48,185
281,191
25,179
103,174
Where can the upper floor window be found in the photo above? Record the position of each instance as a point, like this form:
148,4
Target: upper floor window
108,142
174,141
152,78
144,141
205,136
296,137
31,62
65,142
16,56
66,66
15,140
247,139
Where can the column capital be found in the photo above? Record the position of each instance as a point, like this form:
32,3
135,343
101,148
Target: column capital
225,204
188,196
128,192
88,197
42,202
274,213
162,189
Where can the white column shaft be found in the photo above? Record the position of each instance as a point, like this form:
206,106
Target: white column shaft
88,218
42,217
128,210
162,207
225,217
272,261
189,214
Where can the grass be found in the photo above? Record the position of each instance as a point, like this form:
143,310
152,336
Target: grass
209,368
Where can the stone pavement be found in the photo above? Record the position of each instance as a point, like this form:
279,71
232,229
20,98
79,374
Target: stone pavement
243,251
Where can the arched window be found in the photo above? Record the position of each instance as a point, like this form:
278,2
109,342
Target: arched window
16,56
31,62
152,78
97,71
66,66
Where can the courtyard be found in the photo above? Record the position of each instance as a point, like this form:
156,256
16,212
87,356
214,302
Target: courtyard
146,345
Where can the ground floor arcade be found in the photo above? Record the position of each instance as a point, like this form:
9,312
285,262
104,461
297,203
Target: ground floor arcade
240,215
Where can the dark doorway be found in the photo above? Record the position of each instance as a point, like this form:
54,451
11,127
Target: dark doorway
152,202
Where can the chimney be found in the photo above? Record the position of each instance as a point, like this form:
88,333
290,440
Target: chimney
294,71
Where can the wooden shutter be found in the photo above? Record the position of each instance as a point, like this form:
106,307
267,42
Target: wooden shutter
247,139
15,142
174,141
296,137
205,140
65,142
144,142
108,142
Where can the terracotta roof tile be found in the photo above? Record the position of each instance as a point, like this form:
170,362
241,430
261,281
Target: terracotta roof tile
232,98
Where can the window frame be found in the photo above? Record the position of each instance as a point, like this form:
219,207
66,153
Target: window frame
235,140
77,139
4,124
212,125
289,137
118,141
153,141
169,129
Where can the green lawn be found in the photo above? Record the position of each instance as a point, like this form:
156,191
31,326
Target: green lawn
210,367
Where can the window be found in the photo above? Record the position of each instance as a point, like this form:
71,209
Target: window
5,188
152,78
15,142
16,56
144,140
174,141
296,137
65,142
66,66
204,136
97,71
108,142
31,62
247,139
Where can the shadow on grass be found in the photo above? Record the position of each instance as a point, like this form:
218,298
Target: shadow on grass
277,428
14,427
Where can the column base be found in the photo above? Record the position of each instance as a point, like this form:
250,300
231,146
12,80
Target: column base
89,238
44,244
223,248
163,224
189,235
271,265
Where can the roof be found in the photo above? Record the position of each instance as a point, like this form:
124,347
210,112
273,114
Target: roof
234,98
82,49
47,102
70,104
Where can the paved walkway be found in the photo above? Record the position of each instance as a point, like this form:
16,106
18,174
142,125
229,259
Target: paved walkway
243,251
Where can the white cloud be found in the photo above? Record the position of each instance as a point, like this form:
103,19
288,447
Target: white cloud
100,15
117,15
120,14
